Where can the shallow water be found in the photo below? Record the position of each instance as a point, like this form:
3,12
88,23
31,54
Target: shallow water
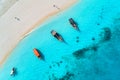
89,54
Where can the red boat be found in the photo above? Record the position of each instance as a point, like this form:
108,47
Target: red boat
36,52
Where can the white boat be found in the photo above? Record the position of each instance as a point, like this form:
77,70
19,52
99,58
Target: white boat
12,73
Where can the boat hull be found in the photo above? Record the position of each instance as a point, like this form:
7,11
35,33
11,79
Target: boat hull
57,35
73,23
36,53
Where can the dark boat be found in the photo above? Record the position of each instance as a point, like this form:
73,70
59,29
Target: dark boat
12,73
57,35
37,53
73,23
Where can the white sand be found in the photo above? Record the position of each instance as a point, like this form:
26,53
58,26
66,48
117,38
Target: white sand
5,5
24,16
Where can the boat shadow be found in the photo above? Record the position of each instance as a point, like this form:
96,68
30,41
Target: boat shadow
63,40
42,56
78,29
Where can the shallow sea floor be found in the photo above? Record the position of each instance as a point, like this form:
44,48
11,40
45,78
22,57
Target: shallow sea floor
89,54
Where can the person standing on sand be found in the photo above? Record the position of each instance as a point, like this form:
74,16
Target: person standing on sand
18,19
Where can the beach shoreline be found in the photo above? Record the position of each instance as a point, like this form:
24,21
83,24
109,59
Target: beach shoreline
30,27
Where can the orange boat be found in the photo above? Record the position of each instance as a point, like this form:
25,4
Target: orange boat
36,52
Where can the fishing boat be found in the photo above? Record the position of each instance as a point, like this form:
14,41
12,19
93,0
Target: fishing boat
37,53
73,23
12,73
57,35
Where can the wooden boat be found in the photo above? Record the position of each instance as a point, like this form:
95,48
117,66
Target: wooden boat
72,22
57,35
12,73
36,52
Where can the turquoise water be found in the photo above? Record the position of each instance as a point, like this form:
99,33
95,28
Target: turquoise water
89,54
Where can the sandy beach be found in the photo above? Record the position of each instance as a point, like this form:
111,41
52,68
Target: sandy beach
22,18
5,5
